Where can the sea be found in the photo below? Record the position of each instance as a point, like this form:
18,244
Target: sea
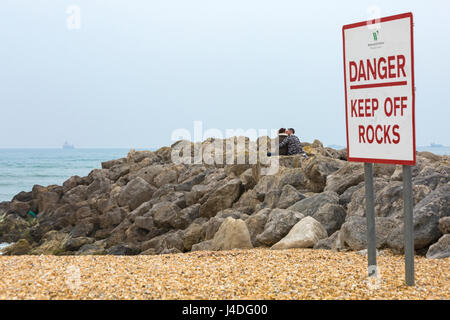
21,169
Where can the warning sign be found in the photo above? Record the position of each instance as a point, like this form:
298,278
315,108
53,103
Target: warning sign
379,90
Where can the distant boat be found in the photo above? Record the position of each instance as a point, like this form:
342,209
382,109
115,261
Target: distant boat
435,145
67,145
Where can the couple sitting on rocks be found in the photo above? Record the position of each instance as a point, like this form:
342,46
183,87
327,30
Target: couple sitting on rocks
288,143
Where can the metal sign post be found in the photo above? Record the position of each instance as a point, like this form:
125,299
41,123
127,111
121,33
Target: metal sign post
409,225
370,215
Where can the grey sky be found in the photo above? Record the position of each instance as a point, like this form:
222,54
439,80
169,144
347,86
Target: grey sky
137,70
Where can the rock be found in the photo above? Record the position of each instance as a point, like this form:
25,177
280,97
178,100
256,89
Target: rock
83,228
444,225
202,246
136,192
169,240
47,198
164,214
118,171
388,200
96,248
123,250
289,196
331,216
23,196
232,234
305,234
247,202
248,180
145,222
51,244
210,228
166,176
255,224
187,184
74,244
310,205
349,175
21,247
112,163
222,198
197,193
440,249
12,228
346,197
140,211
19,208
318,168
278,224
186,216
112,218
330,243
353,233
194,234
426,215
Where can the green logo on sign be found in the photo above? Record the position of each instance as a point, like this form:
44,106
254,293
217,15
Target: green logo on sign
375,35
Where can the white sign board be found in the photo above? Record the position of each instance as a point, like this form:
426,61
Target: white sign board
379,90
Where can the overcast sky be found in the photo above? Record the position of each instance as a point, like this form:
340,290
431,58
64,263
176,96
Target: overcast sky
137,70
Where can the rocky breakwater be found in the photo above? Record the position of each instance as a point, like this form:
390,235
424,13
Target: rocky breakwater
149,203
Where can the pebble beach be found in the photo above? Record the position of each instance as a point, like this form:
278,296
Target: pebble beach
236,274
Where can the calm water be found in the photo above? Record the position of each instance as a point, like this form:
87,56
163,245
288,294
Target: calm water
20,169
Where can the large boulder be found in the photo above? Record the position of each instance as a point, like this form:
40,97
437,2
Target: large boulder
47,198
440,249
318,168
212,225
256,223
331,216
426,217
202,246
74,244
123,250
164,214
289,195
232,234
165,242
222,198
309,206
330,243
193,235
388,201
136,192
186,216
12,228
349,175
305,234
19,208
21,247
353,233
278,224
444,225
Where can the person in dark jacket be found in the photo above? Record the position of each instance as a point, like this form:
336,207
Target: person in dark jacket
283,151
292,142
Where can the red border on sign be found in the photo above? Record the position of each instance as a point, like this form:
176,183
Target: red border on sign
360,24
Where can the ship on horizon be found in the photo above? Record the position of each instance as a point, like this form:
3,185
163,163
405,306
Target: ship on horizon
67,145
436,145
